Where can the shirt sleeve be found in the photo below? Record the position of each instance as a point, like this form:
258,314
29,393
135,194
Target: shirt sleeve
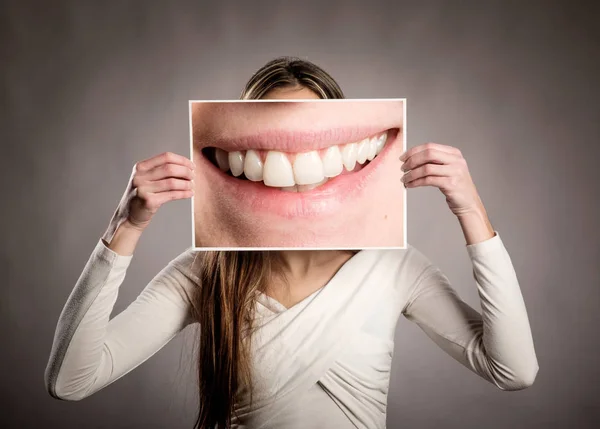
90,350
496,344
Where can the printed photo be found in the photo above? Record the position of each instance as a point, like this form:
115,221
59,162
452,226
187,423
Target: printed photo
309,174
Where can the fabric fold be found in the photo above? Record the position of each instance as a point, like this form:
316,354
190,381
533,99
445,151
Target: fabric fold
295,349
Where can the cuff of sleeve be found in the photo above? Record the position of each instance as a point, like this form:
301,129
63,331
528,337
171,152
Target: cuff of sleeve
483,248
111,257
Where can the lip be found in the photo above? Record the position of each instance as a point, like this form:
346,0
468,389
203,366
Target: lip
293,141
324,200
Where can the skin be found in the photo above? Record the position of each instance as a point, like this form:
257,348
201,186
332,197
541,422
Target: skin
222,221
168,177
305,270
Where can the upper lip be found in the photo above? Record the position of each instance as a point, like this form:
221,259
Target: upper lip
291,127
294,141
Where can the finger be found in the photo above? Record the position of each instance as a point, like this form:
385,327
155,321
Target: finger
166,185
163,158
435,181
164,171
152,202
428,170
426,156
164,197
413,150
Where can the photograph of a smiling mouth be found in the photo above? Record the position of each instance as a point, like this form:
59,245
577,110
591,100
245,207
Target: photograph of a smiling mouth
301,171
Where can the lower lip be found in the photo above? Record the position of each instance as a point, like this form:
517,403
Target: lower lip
324,200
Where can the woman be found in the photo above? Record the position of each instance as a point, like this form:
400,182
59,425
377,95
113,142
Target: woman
293,339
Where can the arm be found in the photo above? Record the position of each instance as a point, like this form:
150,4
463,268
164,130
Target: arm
496,344
89,350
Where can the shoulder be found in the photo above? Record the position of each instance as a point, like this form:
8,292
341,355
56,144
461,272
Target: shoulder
405,266
408,259
187,264
180,275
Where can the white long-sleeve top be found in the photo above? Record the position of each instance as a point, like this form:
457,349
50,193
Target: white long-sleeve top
325,362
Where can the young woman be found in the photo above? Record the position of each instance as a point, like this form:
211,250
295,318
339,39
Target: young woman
294,339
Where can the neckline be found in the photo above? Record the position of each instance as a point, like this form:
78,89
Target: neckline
277,307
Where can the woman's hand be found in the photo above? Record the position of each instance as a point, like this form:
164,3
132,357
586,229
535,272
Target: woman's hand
154,181
444,167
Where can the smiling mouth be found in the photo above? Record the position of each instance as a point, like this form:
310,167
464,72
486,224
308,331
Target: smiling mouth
297,172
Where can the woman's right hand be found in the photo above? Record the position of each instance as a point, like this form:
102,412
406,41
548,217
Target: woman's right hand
155,181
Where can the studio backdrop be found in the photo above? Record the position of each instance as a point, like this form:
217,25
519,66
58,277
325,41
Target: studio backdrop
90,88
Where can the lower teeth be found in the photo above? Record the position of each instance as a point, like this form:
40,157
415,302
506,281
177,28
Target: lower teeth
304,188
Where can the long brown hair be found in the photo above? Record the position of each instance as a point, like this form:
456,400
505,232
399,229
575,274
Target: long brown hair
223,304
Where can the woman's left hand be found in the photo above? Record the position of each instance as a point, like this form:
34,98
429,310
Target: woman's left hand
444,167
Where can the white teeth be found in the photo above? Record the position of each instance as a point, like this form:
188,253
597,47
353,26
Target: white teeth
372,148
277,170
362,151
222,159
349,156
236,163
381,142
253,166
307,171
308,168
302,188
332,162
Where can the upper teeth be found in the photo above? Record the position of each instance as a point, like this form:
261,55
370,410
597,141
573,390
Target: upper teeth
282,170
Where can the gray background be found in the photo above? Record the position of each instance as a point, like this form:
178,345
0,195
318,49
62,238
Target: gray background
90,88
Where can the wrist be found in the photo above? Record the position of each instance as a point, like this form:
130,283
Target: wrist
124,239
476,225
472,213
127,225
